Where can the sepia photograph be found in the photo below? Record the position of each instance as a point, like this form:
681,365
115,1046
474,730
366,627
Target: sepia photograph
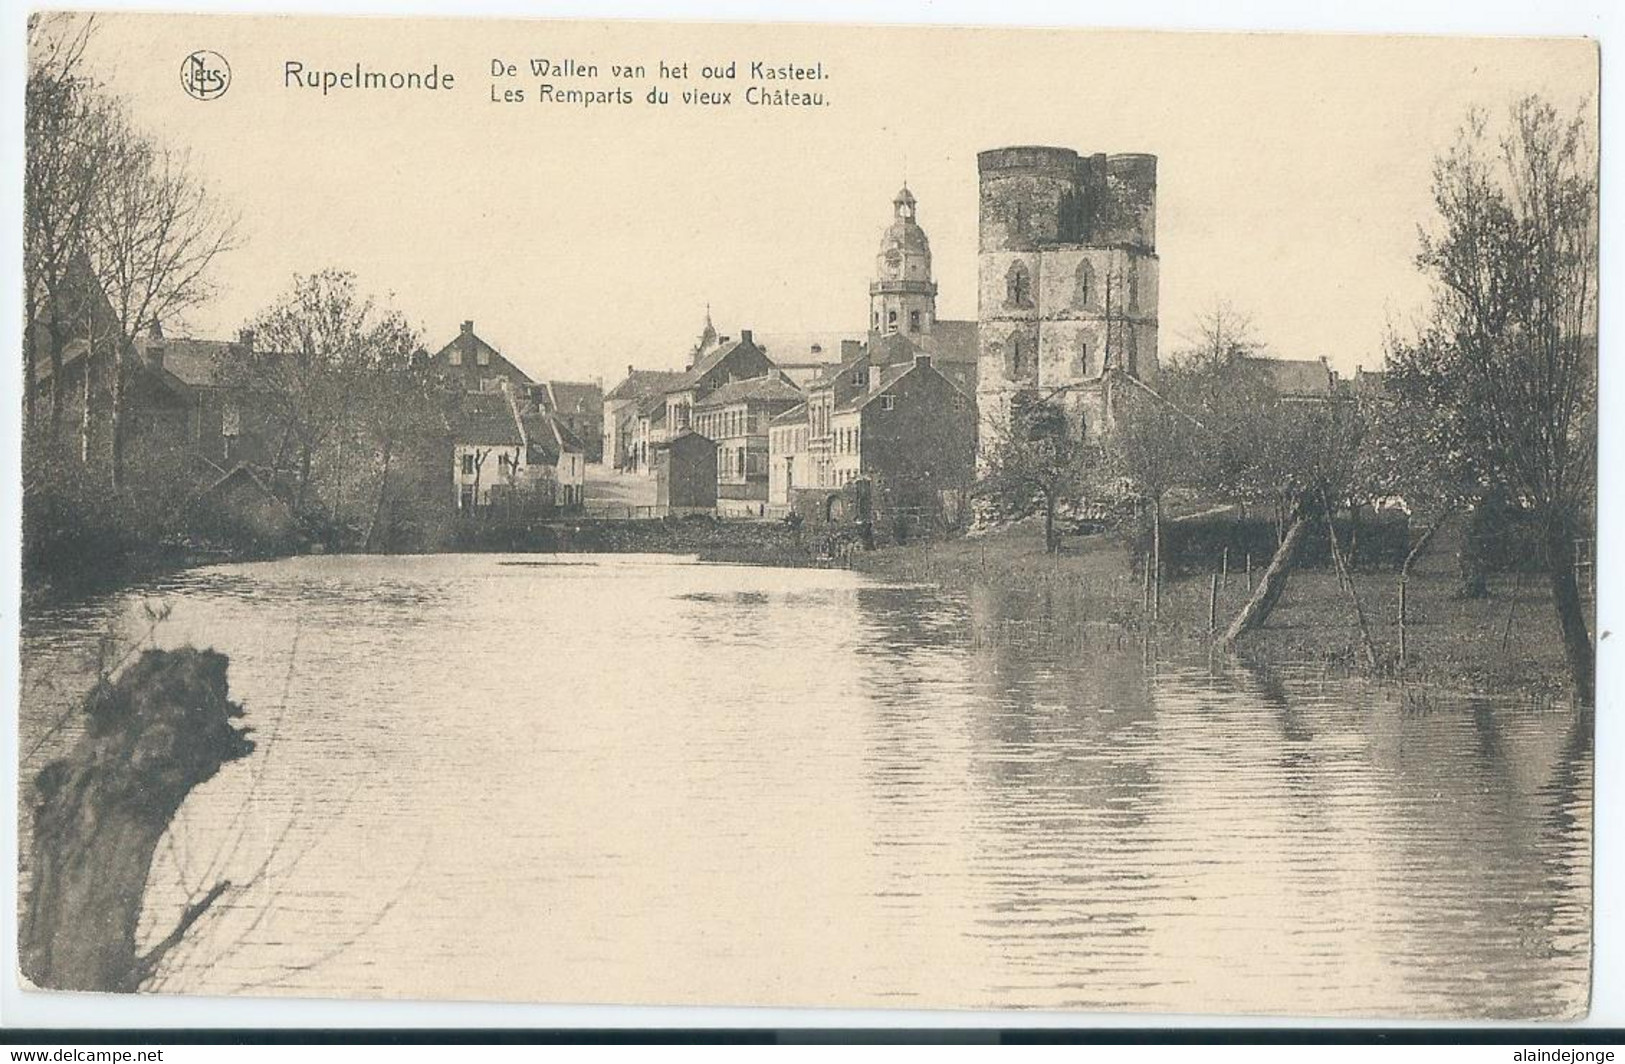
817,516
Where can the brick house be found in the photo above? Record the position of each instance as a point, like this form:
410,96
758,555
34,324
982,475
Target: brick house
736,416
472,365
579,407
622,406
503,447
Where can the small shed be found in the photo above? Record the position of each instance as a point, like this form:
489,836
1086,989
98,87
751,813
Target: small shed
686,473
240,509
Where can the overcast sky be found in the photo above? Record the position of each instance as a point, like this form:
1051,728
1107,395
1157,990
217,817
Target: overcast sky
1293,171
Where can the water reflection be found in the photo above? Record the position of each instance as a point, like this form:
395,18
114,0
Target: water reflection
646,780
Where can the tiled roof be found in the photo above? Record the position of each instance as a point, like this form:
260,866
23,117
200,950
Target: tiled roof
642,383
793,416
889,376
767,389
576,397
799,348
485,419
470,344
1296,376
708,362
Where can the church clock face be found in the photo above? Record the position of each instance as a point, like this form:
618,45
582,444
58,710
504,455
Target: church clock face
894,258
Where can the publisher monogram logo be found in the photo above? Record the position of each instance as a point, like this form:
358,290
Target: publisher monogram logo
205,75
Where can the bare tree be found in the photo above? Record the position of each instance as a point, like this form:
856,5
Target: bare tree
1511,349
154,232
309,351
63,159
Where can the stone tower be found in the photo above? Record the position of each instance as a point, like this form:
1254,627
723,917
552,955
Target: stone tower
1067,279
902,297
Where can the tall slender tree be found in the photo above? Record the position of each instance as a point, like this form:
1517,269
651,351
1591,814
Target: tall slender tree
1510,351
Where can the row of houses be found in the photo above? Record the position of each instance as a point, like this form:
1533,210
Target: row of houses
893,404
209,420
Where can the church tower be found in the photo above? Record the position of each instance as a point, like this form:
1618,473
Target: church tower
902,297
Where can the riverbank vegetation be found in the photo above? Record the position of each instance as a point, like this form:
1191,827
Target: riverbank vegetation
1487,414
1505,641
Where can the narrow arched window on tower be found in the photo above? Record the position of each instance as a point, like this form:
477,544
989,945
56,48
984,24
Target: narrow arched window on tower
913,321
1018,286
1086,284
1015,365
891,321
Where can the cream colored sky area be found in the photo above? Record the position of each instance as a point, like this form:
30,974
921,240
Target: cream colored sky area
1293,170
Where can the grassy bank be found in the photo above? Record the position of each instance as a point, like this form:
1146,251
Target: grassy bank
1508,641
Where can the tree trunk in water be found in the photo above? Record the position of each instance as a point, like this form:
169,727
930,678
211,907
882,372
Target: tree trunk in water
1405,575
1347,577
163,728
1570,611
1272,583
1156,559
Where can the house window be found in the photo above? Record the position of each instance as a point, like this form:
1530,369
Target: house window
230,419
482,356
456,356
888,402
913,321
857,378
468,465
465,499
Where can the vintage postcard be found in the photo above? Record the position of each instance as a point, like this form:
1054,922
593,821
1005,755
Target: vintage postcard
808,515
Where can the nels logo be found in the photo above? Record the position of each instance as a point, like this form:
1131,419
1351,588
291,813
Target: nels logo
205,75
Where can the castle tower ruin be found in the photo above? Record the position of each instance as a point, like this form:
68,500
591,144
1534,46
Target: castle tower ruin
1067,279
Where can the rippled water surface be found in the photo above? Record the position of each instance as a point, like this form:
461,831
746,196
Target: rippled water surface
637,779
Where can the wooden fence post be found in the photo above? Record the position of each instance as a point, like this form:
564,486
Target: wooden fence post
1213,606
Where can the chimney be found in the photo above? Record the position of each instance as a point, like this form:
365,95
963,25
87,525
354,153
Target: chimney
744,334
629,369
155,356
245,337
468,326
156,329
874,378
922,359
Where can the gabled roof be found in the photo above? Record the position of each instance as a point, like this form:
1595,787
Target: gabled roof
470,345
889,375
642,383
708,362
802,348
1295,377
576,397
793,416
485,419
768,388
199,363
653,406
